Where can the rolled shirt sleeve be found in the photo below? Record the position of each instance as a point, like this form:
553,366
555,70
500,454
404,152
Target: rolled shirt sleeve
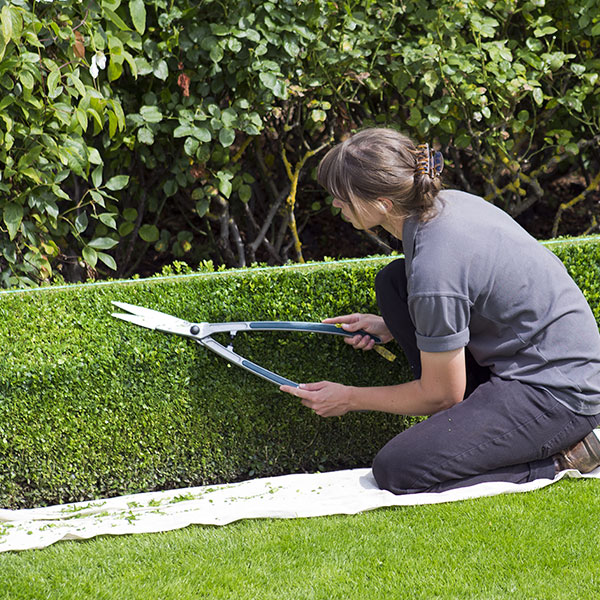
441,321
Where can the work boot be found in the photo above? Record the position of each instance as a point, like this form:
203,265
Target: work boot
584,456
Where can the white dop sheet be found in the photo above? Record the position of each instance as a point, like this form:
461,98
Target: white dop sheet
284,497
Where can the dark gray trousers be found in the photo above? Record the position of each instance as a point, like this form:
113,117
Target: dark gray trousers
502,431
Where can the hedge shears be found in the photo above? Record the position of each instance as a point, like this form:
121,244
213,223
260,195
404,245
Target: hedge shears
203,332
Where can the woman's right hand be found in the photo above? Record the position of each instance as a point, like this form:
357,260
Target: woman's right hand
373,324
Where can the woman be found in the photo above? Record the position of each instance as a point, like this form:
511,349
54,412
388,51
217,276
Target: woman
503,345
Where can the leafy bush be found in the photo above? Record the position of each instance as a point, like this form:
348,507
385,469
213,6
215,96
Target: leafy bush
94,406
137,130
91,406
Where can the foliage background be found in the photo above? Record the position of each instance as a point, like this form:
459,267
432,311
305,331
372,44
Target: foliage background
134,133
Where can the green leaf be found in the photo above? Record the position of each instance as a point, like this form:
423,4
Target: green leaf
126,228
108,260
245,192
229,117
108,219
151,114
98,198
115,70
26,78
115,18
82,119
137,9
94,156
538,96
318,115
225,187
190,146
463,140
112,124
13,215
542,31
145,136
292,48
202,207
572,148
118,182
415,117
149,233
119,113
219,29
200,133
208,42
161,70
97,176
268,80
103,243
6,22
216,54
90,256
81,222
53,81
77,84
130,214
170,187
97,120
226,137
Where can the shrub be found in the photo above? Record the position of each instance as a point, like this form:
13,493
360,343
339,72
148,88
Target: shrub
190,132
91,406
94,406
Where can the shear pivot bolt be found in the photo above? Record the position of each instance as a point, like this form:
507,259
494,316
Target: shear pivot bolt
194,330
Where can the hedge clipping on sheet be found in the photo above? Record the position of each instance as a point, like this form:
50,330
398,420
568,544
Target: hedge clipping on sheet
93,407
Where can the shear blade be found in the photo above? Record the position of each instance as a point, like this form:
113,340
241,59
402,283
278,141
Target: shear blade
136,320
142,311
153,319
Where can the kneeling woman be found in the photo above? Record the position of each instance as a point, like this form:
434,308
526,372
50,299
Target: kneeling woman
504,348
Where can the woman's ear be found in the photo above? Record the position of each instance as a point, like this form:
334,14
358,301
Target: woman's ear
386,204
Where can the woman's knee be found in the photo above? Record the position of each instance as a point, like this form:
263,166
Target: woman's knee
392,469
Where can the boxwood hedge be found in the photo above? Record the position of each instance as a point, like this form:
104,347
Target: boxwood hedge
91,406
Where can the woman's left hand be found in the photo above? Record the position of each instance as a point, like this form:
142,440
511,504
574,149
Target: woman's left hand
327,399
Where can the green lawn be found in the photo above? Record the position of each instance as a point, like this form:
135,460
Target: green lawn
535,545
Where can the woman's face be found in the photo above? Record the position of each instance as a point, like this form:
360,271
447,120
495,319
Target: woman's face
366,217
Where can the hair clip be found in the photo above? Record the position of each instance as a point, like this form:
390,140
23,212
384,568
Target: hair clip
429,162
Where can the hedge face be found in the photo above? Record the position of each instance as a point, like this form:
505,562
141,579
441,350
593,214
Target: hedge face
91,406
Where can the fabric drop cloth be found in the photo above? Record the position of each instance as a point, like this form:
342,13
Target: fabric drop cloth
284,497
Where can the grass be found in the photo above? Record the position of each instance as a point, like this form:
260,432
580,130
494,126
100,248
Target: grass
536,545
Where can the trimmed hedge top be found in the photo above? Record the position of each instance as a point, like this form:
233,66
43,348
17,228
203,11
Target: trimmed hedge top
91,406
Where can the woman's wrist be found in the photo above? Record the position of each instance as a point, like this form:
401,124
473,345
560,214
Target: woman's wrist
354,398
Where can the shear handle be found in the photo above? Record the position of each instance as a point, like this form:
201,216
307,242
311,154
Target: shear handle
240,361
285,326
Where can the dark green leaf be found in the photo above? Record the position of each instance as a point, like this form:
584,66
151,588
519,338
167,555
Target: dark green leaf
130,214
108,260
13,215
149,233
81,222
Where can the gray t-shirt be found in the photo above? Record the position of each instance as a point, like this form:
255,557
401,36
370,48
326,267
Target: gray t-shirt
476,278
